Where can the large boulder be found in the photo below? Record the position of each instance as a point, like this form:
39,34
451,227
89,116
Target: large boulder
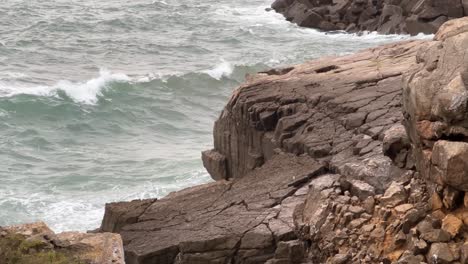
435,105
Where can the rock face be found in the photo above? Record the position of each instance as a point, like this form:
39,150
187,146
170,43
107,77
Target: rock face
320,163
384,16
435,107
333,109
90,248
294,145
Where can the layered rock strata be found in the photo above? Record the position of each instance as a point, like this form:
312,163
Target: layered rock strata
384,16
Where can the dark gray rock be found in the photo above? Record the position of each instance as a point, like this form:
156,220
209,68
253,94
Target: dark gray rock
387,17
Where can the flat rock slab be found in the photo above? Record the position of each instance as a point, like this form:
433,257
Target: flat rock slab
239,220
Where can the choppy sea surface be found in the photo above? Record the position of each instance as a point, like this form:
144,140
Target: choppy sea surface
114,100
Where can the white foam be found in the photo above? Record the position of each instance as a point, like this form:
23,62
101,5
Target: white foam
224,69
81,92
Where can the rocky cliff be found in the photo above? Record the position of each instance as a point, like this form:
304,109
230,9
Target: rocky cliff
384,16
355,159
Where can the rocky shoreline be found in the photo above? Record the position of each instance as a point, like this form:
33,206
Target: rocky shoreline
354,159
386,17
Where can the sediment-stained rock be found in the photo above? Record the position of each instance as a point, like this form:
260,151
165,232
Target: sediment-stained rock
387,17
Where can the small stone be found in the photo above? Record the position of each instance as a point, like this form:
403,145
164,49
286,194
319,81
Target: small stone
436,202
436,235
378,234
440,253
410,219
361,189
348,217
340,259
403,208
368,228
400,239
356,223
394,195
369,204
366,216
357,210
438,214
451,197
452,224
343,199
419,246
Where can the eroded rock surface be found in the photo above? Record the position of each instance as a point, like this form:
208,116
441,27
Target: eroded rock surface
384,16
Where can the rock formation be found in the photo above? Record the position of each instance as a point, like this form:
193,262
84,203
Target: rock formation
36,243
384,16
299,159
355,159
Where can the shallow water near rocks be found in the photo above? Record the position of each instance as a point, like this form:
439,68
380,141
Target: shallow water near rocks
113,100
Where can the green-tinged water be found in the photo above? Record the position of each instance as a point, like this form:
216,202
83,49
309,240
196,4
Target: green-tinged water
114,100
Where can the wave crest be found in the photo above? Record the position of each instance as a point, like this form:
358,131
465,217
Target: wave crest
81,92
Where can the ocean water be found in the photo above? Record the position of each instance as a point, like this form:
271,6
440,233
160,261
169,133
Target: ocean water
114,100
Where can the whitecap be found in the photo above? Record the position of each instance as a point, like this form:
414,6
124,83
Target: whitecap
81,92
224,69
